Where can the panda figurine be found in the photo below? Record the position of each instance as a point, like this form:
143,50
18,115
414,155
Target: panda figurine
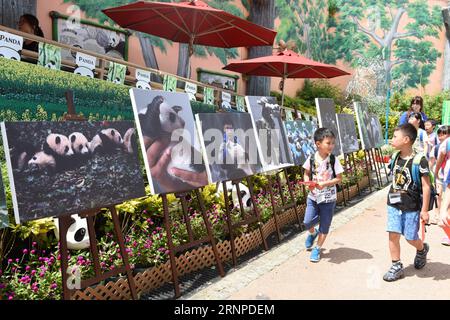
106,141
231,188
84,71
77,235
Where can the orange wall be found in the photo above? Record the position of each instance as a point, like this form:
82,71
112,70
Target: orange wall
168,62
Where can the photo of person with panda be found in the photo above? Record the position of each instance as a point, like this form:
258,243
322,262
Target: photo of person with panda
229,145
270,132
4,220
58,168
169,142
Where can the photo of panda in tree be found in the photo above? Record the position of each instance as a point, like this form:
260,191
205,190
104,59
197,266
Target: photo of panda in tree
229,145
169,141
300,137
347,133
326,112
269,129
58,168
4,221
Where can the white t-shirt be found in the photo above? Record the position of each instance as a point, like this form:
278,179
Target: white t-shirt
443,150
421,140
322,173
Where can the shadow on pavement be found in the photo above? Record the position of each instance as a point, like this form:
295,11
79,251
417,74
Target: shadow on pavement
345,254
436,270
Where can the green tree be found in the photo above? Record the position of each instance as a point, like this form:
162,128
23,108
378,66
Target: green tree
308,23
92,9
369,29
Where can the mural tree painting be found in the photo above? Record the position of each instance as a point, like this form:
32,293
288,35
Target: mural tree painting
369,29
308,24
262,12
92,9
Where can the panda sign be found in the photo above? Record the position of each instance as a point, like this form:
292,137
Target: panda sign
143,79
10,46
85,65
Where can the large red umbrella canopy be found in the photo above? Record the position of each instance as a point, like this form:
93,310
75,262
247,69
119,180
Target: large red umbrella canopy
192,22
286,64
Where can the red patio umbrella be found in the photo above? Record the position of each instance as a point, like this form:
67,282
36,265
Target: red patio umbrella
192,22
285,64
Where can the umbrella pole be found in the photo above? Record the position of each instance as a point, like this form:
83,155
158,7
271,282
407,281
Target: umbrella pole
282,92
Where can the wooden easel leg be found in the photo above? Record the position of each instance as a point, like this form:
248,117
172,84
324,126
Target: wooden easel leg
173,265
93,245
64,224
274,209
367,170
377,170
294,201
256,211
210,233
352,159
229,223
302,177
123,253
384,164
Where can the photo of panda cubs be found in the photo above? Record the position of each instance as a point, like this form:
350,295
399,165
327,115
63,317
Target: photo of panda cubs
169,141
229,145
4,221
270,132
58,168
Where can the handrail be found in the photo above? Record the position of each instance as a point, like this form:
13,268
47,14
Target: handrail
107,58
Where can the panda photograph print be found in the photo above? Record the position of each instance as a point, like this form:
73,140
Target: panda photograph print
58,168
229,145
270,132
169,141
4,221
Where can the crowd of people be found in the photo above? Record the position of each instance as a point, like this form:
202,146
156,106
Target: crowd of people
418,194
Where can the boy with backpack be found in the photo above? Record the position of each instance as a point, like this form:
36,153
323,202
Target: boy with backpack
408,200
443,170
442,134
322,168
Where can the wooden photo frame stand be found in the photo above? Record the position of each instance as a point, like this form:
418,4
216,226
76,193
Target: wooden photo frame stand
246,218
64,224
173,250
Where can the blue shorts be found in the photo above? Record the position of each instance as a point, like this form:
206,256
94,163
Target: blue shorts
405,223
315,213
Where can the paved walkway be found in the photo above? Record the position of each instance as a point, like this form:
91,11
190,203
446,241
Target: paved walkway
354,260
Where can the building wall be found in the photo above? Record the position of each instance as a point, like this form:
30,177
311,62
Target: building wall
168,61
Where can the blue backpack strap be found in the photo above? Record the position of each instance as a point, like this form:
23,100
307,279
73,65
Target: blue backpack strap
421,135
393,160
311,165
416,170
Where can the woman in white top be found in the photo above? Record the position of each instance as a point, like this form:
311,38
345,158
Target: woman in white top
421,145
